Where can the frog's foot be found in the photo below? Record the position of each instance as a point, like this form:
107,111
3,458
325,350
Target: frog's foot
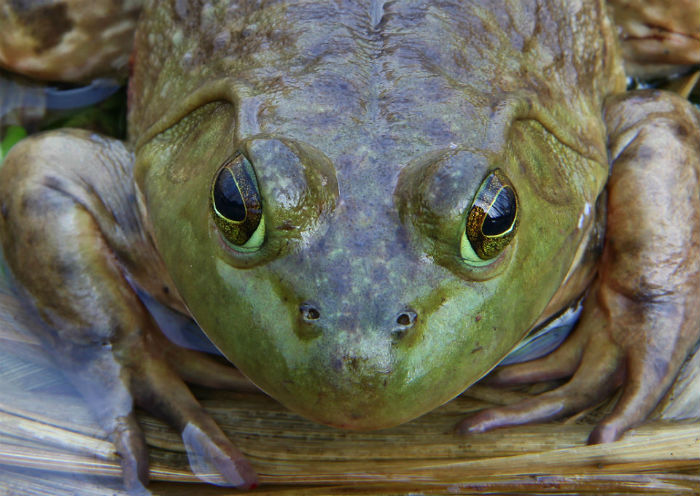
641,318
73,239
559,364
599,366
588,357
658,38
146,377
158,387
95,373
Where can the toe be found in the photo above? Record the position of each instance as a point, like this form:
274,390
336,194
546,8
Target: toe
596,377
201,368
130,443
212,456
217,462
561,363
647,381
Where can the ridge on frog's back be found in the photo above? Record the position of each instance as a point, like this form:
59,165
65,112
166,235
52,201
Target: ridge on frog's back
377,62
370,137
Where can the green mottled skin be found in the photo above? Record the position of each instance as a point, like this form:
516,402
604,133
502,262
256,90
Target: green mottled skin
396,127
370,128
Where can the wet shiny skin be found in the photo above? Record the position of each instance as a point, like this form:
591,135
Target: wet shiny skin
370,130
368,158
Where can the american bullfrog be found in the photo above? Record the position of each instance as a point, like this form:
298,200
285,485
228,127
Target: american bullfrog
365,206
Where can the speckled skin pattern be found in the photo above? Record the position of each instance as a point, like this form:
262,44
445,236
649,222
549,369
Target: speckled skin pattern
395,127
67,40
370,127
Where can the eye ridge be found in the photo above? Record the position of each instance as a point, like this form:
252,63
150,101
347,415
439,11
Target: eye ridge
235,201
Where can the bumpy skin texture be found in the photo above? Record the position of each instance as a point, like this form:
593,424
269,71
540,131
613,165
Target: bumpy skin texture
67,40
370,136
658,37
370,128
641,316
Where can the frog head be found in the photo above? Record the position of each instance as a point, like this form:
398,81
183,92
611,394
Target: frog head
364,240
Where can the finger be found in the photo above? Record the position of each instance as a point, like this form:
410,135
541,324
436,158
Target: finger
214,462
104,387
562,362
201,368
130,443
597,376
647,381
166,395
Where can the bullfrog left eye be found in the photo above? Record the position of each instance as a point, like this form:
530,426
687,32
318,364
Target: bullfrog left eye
236,205
491,221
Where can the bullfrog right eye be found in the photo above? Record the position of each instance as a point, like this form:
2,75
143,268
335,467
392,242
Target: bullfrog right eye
491,221
236,205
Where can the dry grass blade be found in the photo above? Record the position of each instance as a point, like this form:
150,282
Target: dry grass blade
645,461
24,428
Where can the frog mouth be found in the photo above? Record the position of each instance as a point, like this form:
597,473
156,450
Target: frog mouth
546,337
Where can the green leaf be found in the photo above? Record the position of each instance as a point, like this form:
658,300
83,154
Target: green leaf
12,136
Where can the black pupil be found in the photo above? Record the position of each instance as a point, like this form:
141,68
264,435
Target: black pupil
227,197
501,215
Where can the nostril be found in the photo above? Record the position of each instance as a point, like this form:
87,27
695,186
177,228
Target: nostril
406,318
309,312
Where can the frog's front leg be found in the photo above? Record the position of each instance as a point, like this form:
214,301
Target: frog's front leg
75,243
642,317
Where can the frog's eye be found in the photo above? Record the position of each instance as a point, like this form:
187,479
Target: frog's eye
236,204
491,221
